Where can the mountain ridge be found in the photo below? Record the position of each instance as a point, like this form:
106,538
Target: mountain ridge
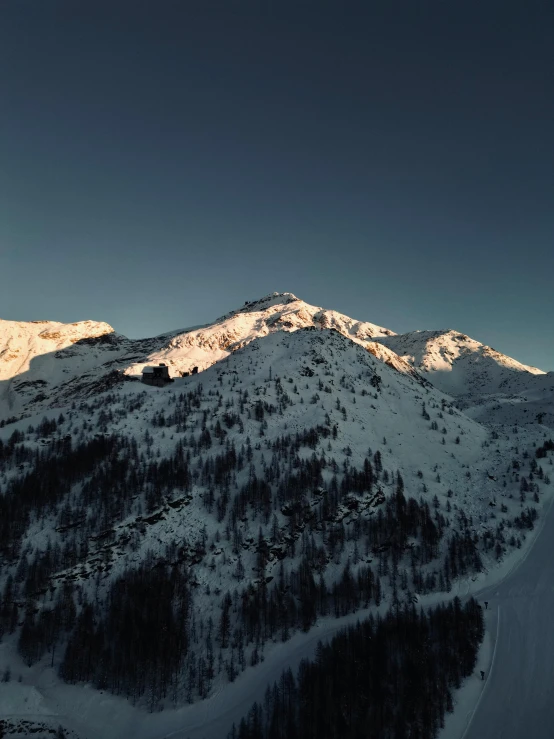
43,364
488,385
65,364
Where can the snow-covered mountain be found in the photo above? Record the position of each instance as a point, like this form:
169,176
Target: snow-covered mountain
46,364
306,472
457,364
31,357
487,384
206,345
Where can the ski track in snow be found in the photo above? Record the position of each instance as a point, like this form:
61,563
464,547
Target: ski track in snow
517,697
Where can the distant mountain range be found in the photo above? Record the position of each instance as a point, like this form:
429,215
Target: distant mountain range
46,364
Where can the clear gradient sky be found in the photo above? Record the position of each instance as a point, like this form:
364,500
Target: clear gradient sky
162,162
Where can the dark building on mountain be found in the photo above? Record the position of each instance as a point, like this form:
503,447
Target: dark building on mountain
156,375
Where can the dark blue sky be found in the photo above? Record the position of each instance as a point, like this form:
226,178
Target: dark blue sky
162,162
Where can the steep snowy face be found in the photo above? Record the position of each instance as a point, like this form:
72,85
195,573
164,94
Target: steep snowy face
43,363
322,366
276,312
22,341
457,364
490,386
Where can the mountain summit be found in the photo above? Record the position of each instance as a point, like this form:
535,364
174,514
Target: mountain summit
206,345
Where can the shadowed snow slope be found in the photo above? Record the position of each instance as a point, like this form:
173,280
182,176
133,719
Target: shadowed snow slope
490,386
457,364
35,355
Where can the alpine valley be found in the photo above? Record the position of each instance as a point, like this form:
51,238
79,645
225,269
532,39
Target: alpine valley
169,553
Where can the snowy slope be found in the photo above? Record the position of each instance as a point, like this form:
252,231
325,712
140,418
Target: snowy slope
457,364
27,354
529,401
38,355
488,385
46,363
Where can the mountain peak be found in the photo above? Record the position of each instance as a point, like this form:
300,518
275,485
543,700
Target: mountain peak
456,363
268,301
46,336
272,313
